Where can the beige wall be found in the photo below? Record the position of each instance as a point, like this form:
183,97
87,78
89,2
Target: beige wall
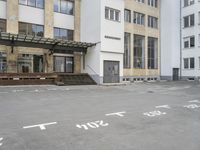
145,31
12,16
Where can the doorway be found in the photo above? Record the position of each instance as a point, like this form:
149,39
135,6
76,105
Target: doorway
111,72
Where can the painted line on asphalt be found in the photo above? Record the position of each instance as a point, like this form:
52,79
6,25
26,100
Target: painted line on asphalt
164,106
1,139
192,106
93,125
194,101
120,114
154,113
41,126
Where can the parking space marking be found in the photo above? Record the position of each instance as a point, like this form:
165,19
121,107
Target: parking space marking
93,125
164,106
154,113
1,139
120,114
14,91
192,106
41,126
194,101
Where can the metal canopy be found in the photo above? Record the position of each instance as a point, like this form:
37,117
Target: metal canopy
54,45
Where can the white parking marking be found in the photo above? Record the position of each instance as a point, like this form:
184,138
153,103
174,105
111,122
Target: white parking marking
164,106
17,91
41,126
194,101
51,89
120,114
192,106
92,125
1,139
154,113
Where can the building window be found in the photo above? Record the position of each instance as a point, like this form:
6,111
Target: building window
31,29
33,3
3,62
153,3
127,50
189,21
140,1
28,63
189,63
199,40
188,2
112,14
152,22
139,51
64,6
138,18
199,62
152,53
2,25
189,42
63,34
127,15
63,64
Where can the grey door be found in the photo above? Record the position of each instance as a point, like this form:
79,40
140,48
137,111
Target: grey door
175,74
111,72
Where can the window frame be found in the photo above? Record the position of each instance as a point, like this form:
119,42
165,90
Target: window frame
35,5
60,6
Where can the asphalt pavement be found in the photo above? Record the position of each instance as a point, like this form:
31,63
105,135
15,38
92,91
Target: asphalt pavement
139,116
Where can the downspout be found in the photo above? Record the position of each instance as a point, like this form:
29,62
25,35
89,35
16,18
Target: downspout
180,39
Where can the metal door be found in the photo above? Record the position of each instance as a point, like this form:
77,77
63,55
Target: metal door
175,74
111,72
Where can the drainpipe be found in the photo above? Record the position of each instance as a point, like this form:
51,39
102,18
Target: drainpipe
181,39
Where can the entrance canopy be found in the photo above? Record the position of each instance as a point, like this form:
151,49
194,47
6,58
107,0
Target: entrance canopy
54,45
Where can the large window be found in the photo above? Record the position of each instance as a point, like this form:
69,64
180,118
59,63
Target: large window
63,64
138,18
152,22
28,63
127,49
3,62
188,2
140,1
112,14
139,51
189,63
153,3
32,3
2,25
31,29
63,34
189,21
189,42
152,53
127,15
64,6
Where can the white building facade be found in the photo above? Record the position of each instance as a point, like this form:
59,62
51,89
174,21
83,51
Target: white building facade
180,39
102,22
190,39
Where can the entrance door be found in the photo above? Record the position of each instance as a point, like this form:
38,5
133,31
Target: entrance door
37,63
111,72
175,74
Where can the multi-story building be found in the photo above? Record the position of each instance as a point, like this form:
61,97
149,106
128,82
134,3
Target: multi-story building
190,35
40,36
142,40
62,36
180,39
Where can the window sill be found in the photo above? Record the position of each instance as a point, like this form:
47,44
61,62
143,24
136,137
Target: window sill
63,13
